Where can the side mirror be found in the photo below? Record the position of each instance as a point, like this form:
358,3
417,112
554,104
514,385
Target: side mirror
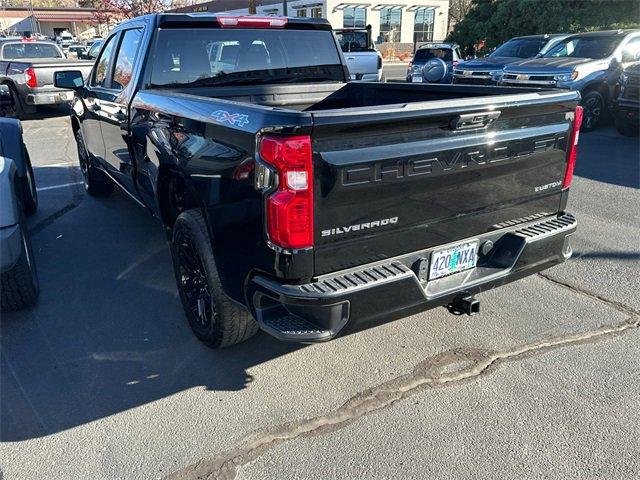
70,80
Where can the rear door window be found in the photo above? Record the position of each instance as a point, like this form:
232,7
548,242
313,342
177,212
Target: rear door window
103,64
125,58
425,54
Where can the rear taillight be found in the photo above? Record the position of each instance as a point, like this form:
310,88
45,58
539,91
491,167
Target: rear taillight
30,78
573,148
290,207
455,64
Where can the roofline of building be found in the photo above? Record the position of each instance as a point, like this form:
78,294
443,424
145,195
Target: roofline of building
50,9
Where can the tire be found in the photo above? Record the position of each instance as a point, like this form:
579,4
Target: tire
96,182
215,319
29,193
16,109
20,286
628,129
594,110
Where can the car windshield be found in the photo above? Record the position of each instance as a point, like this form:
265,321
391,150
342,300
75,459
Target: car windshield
585,47
424,54
12,51
520,48
354,41
204,57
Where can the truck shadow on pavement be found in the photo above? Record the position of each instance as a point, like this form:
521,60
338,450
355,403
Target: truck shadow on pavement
108,333
612,158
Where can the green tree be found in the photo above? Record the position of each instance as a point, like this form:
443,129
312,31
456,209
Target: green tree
488,23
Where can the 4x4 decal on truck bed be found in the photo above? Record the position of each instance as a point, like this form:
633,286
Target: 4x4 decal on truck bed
238,119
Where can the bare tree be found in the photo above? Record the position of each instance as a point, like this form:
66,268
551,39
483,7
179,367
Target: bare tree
458,9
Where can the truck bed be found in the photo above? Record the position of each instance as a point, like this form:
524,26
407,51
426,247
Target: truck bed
329,96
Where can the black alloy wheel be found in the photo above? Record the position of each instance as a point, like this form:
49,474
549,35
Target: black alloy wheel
193,285
593,105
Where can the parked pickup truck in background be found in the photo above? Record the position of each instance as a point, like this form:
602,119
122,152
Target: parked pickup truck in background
488,70
363,60
311,206
590,63
27,66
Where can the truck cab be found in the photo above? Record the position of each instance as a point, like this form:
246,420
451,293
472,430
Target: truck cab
363,59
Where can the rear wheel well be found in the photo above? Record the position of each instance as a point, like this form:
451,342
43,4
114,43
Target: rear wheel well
174,197
601,88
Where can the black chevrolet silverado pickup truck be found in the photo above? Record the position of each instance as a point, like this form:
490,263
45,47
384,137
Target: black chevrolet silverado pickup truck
309,206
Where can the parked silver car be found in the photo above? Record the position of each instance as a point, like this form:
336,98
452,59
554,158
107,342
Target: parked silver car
18,196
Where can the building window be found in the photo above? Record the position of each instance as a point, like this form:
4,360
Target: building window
423,25
354,17
316,12
390,20
301,12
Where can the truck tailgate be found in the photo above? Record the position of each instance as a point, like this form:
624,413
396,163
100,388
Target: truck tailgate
45,69
395,179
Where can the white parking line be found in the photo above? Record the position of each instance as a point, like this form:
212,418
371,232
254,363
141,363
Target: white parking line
53,187
61,164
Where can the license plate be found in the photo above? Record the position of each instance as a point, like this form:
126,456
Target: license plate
467,73
453,259
416,79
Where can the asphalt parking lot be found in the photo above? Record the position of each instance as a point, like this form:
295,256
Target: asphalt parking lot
104,379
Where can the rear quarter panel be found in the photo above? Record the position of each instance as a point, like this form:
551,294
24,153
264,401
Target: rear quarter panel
212,145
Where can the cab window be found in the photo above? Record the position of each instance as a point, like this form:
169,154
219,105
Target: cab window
101,70
125,59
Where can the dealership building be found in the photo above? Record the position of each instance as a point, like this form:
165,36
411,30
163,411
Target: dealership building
83,23
395,25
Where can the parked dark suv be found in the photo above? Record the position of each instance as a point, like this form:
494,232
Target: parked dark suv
488,70
626,105
434,63
588,62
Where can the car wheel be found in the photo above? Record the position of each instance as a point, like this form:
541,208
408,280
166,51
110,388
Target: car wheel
15,110
29,193
20,286
628,129
96,182
214,318
593,105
